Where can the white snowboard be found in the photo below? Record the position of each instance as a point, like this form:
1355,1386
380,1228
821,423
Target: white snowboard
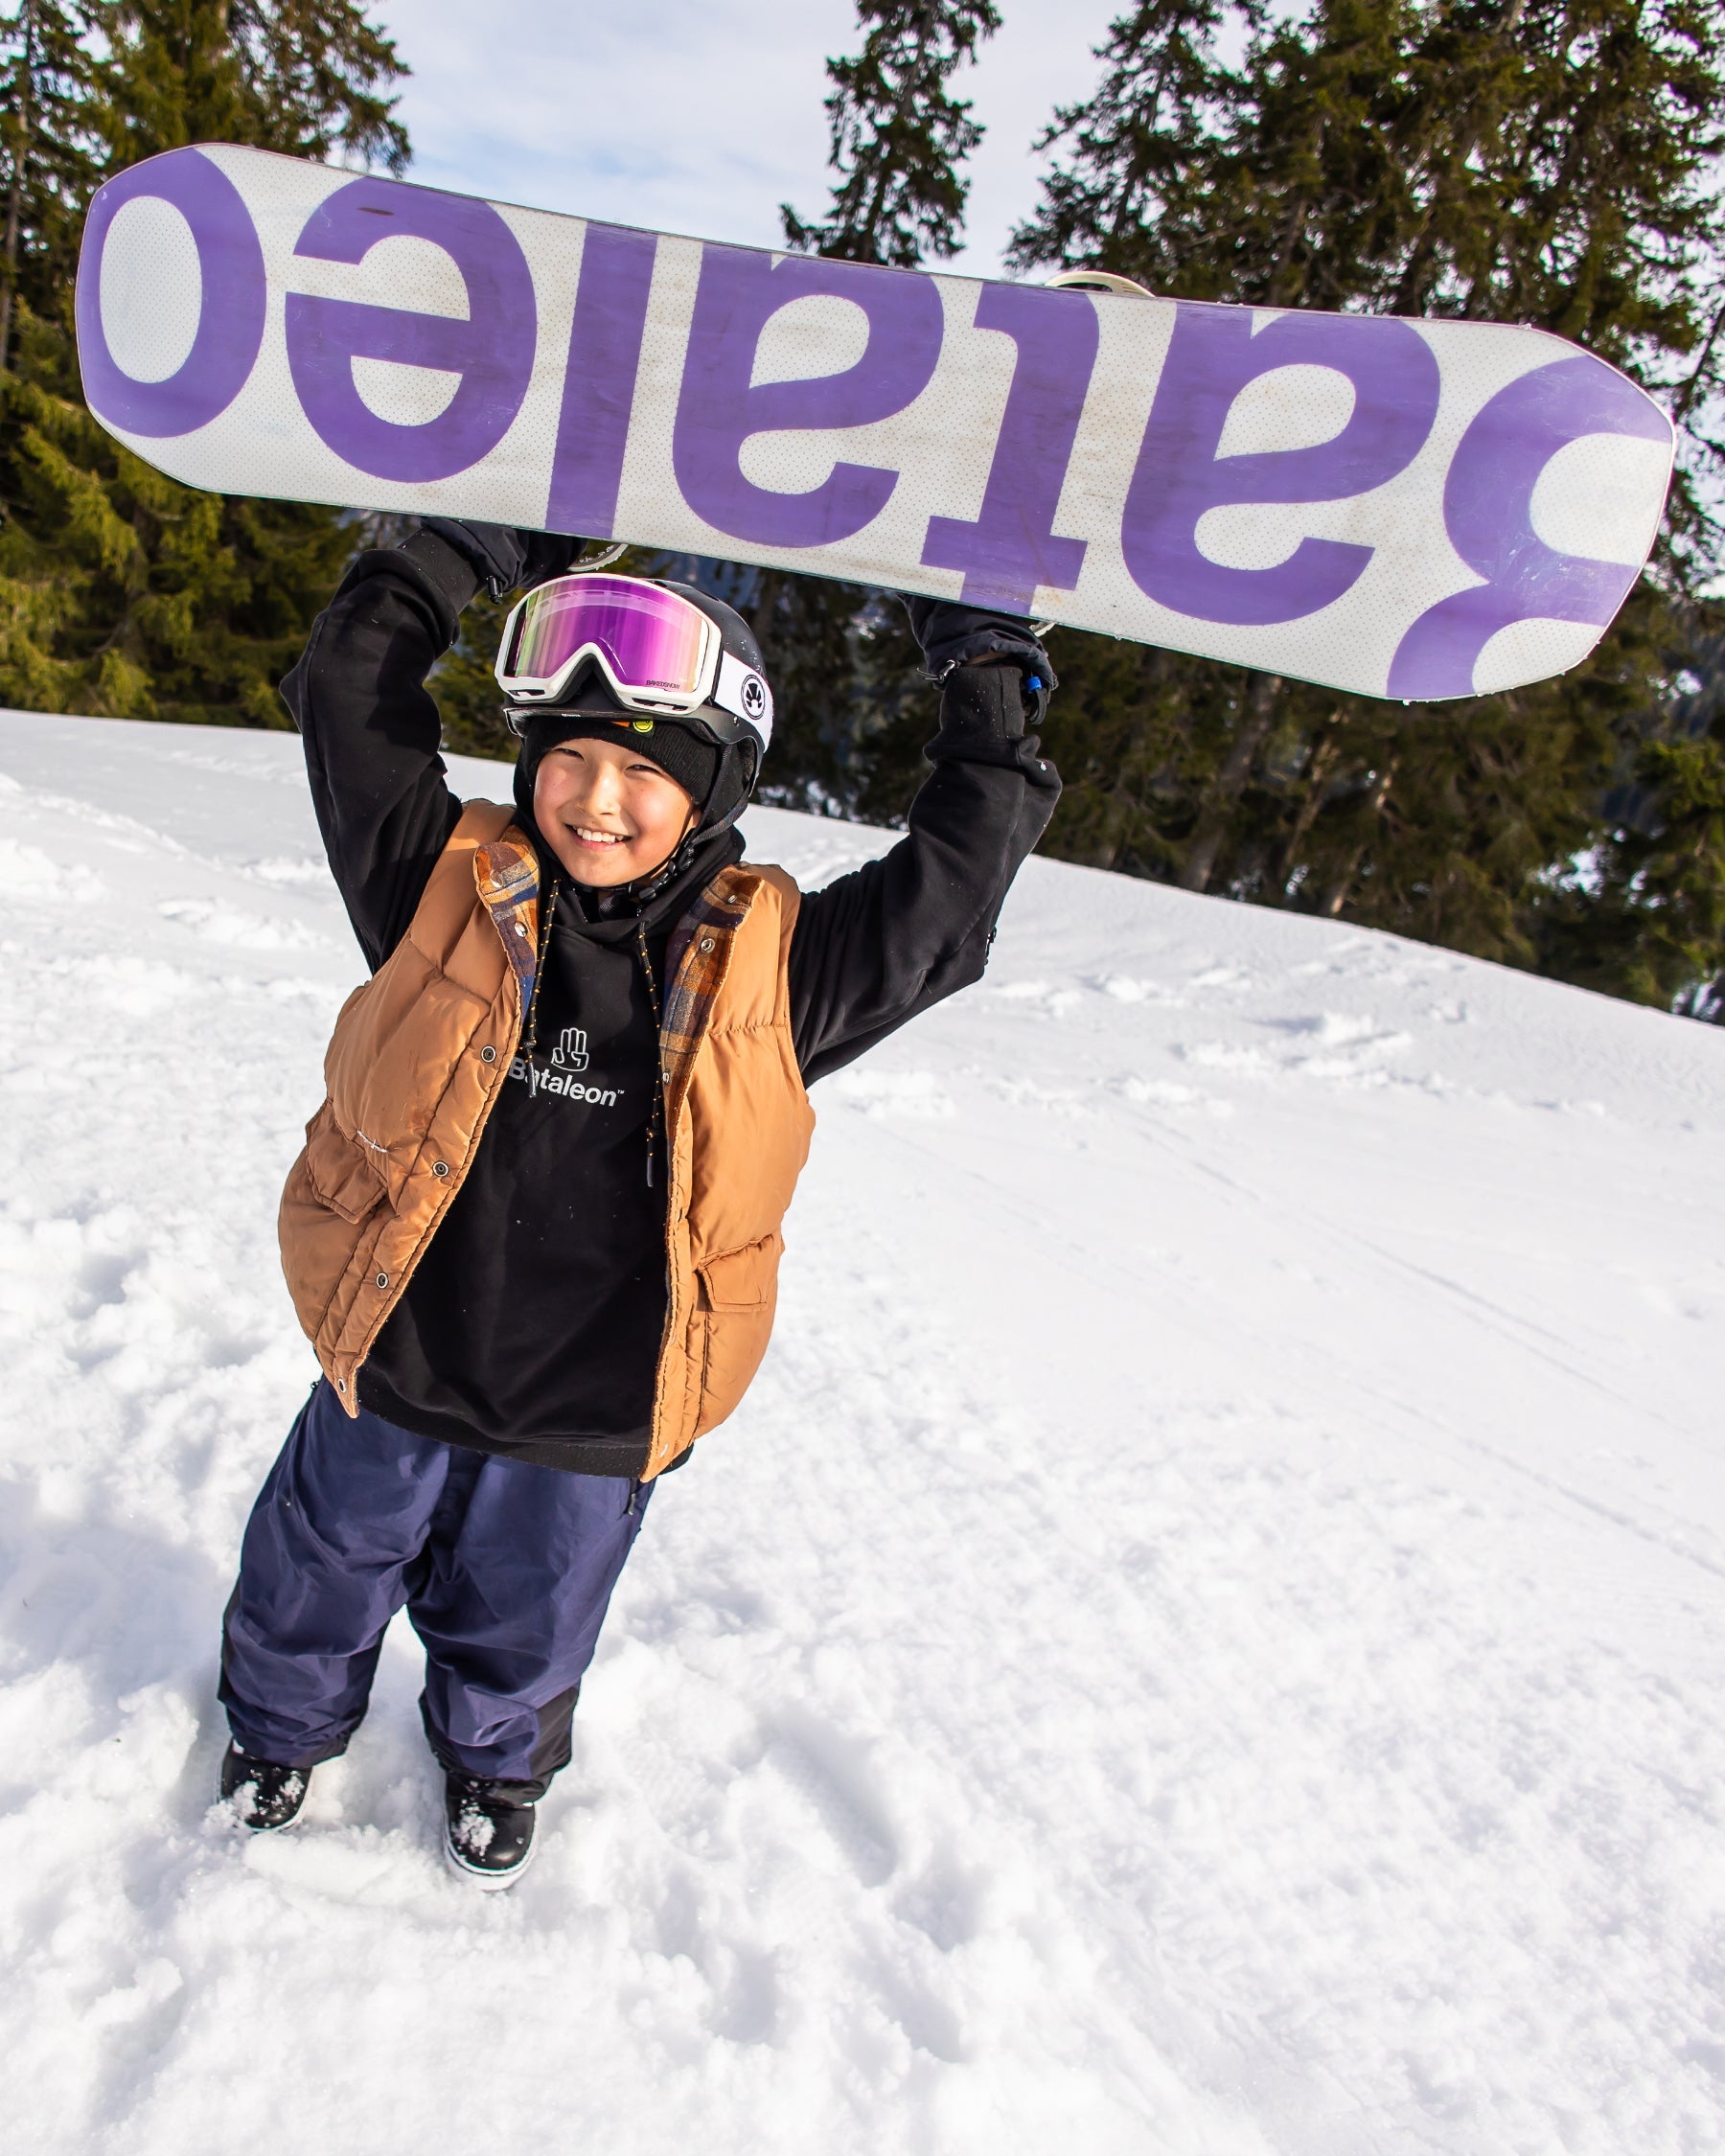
1406,509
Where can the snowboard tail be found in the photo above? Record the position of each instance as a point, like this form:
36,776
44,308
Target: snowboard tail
1416,510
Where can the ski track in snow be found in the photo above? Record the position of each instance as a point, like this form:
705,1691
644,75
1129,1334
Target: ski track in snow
1208,1636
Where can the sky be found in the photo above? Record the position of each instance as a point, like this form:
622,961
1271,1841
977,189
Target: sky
701,116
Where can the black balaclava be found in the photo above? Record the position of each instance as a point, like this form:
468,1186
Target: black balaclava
717,780
679,751
714,778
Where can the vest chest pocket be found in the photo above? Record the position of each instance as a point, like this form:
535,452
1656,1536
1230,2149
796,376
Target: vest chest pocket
739,1290
340,1170
741,1279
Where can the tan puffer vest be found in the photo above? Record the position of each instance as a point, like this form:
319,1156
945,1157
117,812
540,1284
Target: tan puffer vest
414,1065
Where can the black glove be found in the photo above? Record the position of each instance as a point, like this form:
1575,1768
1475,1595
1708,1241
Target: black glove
953,636
502,556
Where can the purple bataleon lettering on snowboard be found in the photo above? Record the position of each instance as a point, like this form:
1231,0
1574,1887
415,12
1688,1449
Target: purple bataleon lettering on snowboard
599,381
231,314
1487,511
718,409
492,351
1212,357
1011,547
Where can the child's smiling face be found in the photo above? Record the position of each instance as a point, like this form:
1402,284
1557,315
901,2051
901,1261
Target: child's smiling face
609,813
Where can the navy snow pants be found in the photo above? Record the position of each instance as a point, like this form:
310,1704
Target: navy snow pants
506,1571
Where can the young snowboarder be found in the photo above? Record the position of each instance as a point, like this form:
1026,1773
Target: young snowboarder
533,1234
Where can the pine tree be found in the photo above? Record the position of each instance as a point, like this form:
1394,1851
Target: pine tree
301,77
314,74
121,591
46,70
1642,912
54,155
1130,187
898,136
1542,161
808,627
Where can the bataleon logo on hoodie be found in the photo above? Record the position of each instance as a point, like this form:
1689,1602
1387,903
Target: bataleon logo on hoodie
562,1074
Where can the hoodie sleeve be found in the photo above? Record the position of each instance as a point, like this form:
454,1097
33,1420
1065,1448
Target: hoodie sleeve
898,934
371,730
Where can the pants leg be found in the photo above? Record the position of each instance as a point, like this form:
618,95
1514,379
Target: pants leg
510,1594
344,1511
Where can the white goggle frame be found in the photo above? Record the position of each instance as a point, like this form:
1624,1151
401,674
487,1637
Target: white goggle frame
724,681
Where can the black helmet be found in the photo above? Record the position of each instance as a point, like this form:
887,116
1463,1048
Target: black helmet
584,654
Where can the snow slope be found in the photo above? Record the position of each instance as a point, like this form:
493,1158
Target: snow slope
1208,1637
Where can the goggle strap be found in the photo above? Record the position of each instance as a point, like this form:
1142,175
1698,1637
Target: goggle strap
743,693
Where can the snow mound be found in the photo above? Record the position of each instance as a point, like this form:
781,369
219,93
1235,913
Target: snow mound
1208,1635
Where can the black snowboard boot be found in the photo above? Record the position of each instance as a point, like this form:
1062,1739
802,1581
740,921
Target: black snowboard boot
265,1796
488,1831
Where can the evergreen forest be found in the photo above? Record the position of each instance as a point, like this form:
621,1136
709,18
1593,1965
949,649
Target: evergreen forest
1552,162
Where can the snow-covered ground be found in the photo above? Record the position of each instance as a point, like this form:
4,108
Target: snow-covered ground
1208,1637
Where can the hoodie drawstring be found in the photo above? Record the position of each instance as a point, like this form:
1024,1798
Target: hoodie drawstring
655,1114
530,1031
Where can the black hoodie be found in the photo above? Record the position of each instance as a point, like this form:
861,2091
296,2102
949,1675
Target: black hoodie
531,1326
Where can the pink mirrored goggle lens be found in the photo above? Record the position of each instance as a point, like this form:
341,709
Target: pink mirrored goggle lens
651,639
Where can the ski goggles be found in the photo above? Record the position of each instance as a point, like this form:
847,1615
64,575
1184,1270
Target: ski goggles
657,653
